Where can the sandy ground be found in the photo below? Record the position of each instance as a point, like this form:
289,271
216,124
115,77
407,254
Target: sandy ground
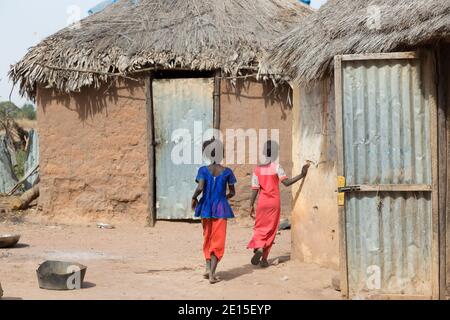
165,262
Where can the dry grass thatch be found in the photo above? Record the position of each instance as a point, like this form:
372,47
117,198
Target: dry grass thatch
135,34
356,26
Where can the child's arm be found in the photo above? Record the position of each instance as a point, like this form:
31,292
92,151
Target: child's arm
255,191
252,202
198,191
231,182
232,191
291,181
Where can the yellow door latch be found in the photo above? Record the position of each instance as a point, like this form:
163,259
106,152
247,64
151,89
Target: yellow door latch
341,195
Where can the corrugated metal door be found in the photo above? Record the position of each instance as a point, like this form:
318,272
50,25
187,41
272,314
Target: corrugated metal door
179,105
386,153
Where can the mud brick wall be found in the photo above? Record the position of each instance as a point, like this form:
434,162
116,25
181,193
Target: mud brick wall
250,104
94,153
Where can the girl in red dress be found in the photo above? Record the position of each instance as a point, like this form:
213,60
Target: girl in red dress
265,182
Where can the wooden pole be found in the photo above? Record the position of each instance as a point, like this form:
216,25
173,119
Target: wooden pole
217,93
151,152
443,169
18,184
428,69
341,175
23,202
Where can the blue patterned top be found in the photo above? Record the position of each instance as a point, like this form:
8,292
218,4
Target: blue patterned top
214,203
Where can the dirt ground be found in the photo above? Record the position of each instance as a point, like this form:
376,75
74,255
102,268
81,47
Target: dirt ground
165,262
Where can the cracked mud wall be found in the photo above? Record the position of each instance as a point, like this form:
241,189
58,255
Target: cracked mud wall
94,153
315,237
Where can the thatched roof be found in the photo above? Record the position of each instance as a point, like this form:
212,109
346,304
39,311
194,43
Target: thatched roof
356,26
131,35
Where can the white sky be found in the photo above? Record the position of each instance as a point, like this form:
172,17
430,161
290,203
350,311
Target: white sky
24,23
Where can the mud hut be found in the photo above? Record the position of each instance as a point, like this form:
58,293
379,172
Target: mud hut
371,96
112,90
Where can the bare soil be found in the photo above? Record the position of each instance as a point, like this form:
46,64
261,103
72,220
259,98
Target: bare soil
165,262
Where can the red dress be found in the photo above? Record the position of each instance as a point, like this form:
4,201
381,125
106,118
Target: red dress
267,179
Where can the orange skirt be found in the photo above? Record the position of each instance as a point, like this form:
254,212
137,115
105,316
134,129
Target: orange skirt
214,236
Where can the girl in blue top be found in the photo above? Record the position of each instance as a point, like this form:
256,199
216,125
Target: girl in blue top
213,208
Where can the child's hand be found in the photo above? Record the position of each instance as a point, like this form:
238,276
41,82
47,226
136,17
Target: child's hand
194,204
305,169
252,212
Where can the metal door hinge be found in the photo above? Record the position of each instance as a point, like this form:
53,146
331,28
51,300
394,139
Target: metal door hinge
341,195
349,189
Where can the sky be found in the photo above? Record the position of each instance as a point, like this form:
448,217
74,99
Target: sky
24,23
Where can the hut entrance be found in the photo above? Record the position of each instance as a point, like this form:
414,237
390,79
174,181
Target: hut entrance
183,111
386,132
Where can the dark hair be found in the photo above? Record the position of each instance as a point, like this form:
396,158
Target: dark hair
213,150
271,149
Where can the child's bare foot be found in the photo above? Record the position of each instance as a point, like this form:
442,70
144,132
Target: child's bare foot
264,263
207,270
215,279
212,271
257,257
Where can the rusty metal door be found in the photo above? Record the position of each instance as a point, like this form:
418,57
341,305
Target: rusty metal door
183,110
386,121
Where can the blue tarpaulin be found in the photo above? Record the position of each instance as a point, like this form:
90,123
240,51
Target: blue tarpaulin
102,5
32,159
7,177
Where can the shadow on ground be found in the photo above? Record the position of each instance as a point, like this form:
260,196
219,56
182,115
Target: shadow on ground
237,272
88,285
19,246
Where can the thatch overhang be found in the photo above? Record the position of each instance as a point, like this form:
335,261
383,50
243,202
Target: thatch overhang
134,36
339,27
